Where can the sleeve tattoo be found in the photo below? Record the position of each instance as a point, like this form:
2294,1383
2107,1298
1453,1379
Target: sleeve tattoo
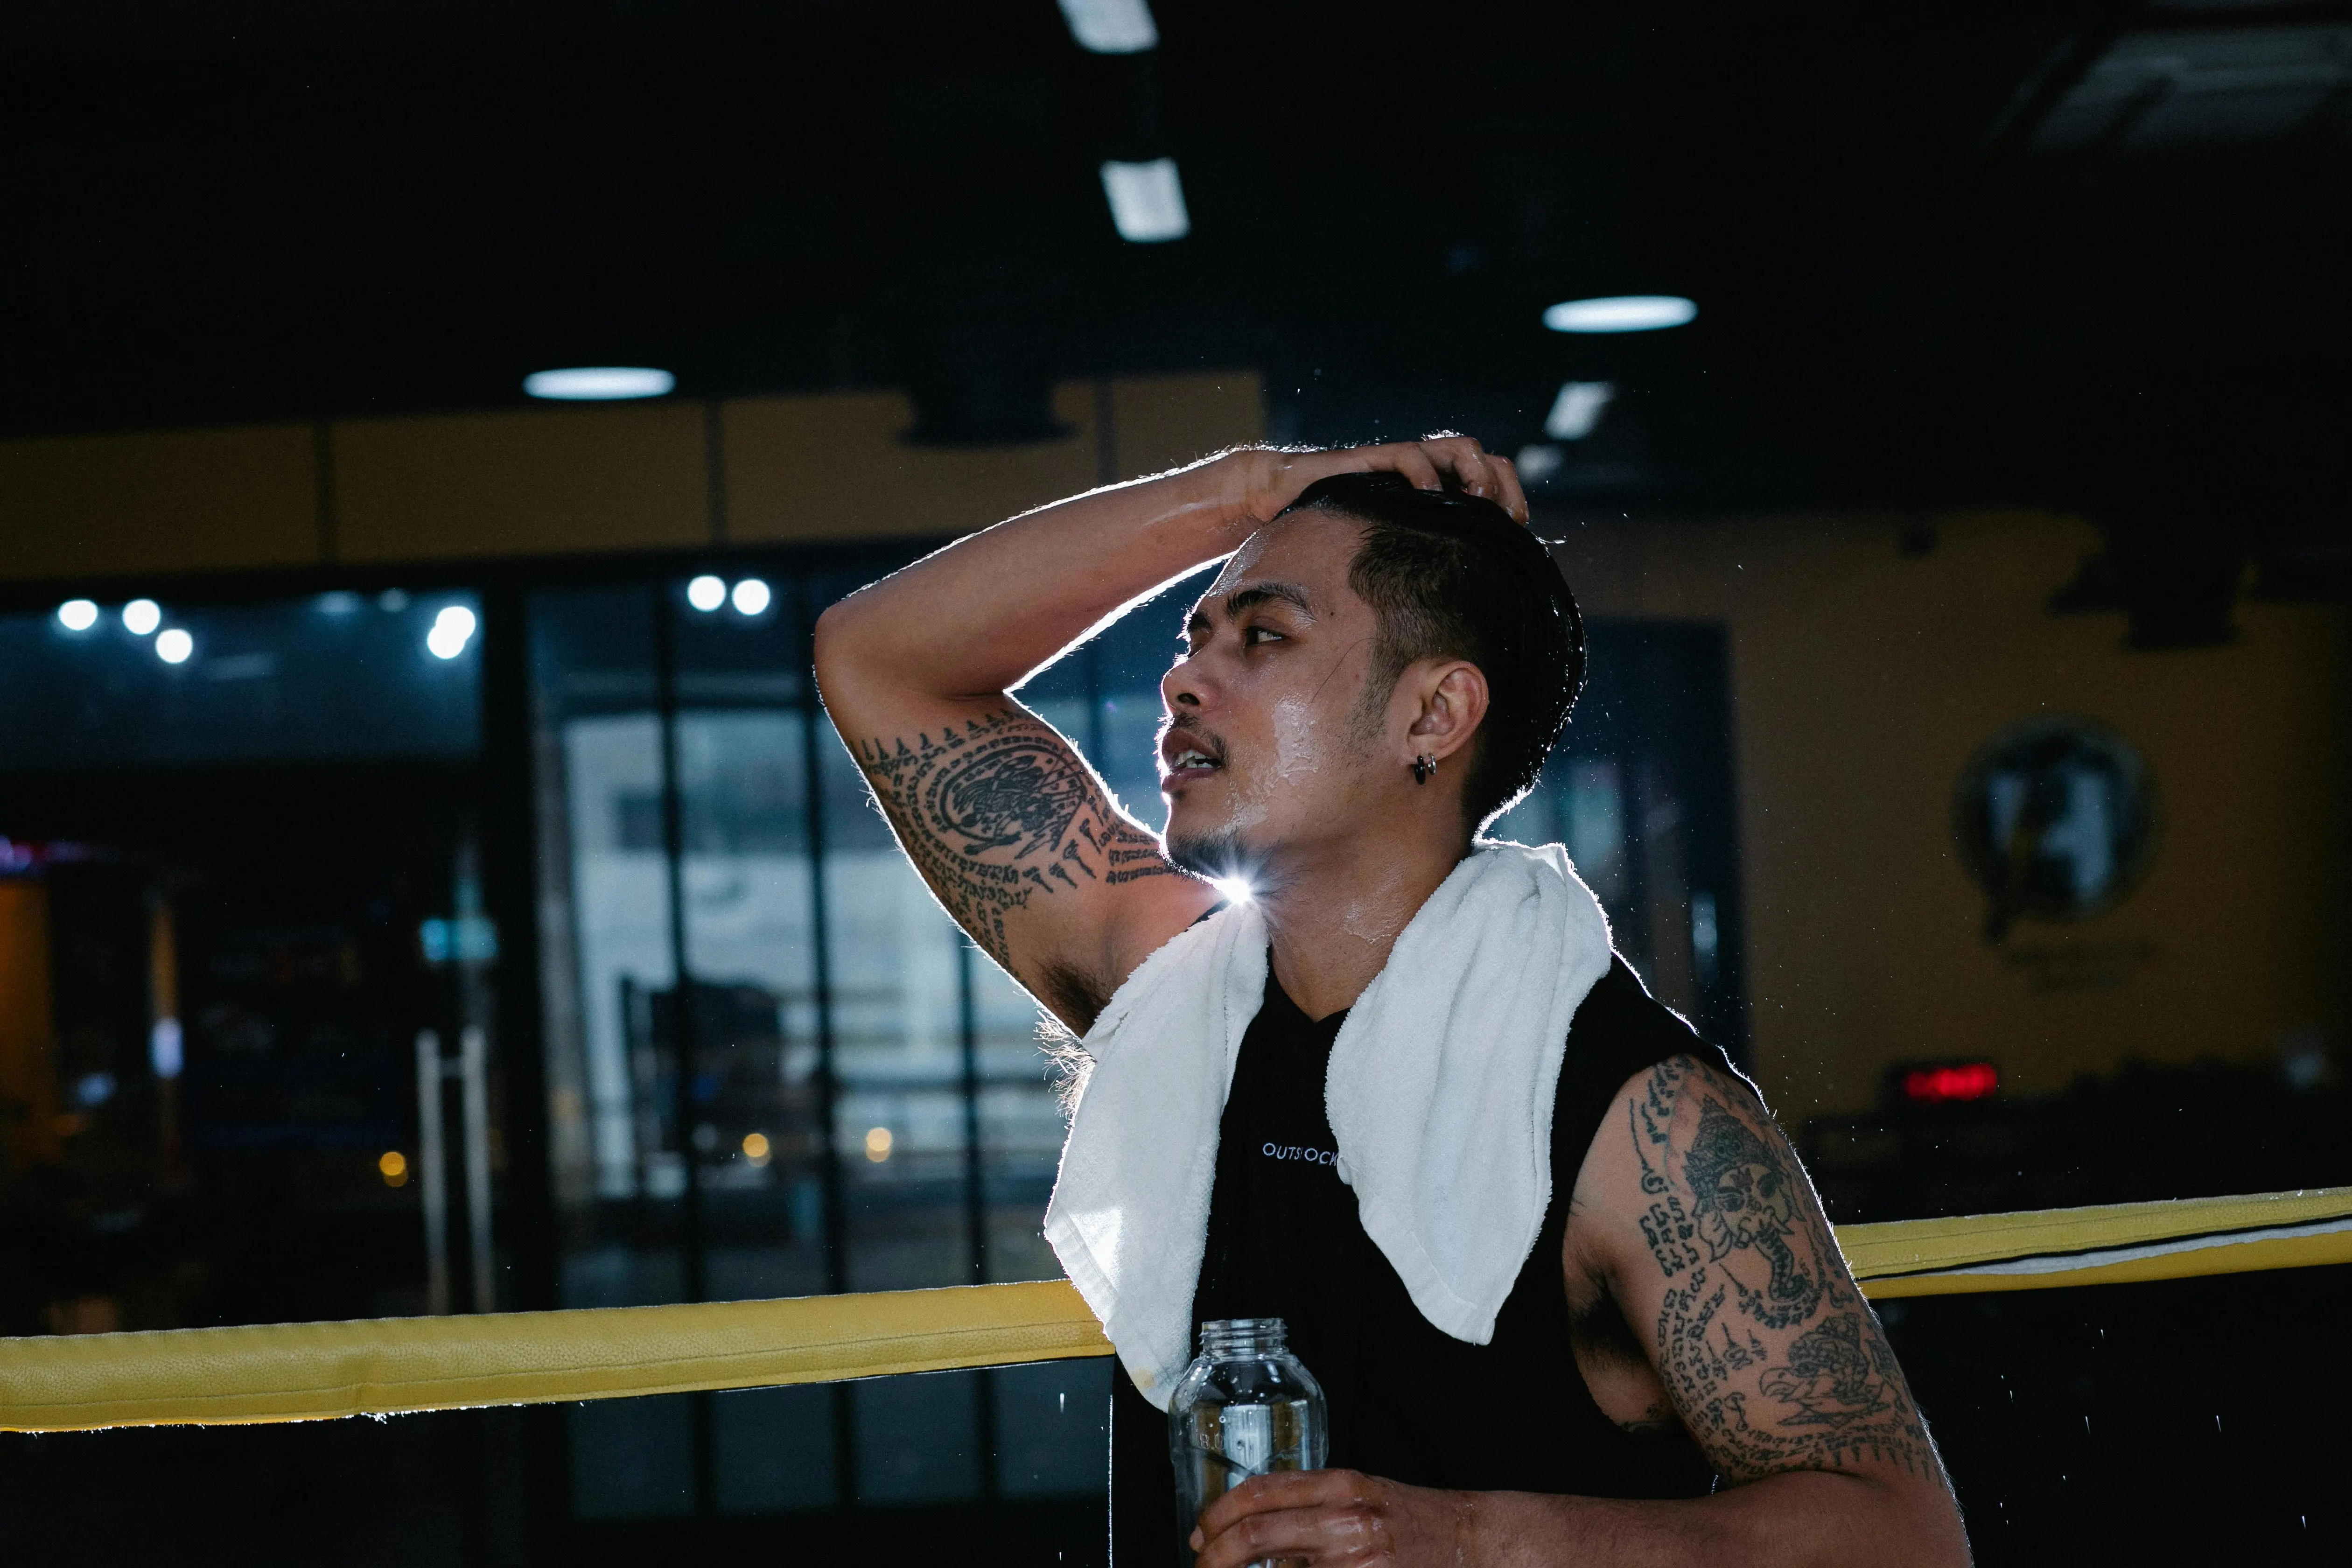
1000,812
1766,1347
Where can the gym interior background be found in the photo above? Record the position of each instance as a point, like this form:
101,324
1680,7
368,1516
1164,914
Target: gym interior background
427,882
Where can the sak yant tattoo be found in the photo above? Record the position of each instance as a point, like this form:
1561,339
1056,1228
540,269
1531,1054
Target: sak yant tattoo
1773,1357
1001,811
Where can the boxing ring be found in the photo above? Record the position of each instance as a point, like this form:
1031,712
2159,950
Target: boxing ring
314,1372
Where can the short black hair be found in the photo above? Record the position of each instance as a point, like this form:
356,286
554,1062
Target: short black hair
1451,575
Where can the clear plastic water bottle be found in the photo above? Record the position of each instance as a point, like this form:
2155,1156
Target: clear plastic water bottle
1245,1407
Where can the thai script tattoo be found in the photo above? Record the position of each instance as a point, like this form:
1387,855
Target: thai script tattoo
1766,1347
1001,811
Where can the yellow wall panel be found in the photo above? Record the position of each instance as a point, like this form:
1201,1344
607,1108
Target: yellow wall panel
1162,422
836,466
1863,679
183,500
529,482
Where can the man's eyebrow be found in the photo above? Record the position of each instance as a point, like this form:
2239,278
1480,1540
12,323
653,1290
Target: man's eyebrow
1257,593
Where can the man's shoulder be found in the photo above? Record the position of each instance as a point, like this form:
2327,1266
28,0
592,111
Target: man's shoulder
1619,1020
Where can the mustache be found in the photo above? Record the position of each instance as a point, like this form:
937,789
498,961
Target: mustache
1199,739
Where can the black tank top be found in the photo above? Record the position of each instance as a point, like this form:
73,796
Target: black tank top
1408,1402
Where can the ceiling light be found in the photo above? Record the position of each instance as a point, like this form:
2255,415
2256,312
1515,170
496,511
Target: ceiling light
141,616
1578,409
452,629
1111,26
1620,314
751,596
598,384
706,593
77,615
1147,201
1536,463
174,647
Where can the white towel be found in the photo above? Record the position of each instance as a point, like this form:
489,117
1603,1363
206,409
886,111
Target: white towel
1440,1093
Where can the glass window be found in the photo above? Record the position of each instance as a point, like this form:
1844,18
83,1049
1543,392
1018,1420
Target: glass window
775,1066
336,674
240,892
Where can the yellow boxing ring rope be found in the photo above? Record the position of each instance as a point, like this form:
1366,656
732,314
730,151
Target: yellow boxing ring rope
308,1372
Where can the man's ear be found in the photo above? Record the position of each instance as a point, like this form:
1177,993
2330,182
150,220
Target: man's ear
1452,703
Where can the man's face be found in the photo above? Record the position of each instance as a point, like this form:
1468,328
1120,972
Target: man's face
1268,748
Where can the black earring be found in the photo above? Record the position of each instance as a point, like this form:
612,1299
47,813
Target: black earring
1423,766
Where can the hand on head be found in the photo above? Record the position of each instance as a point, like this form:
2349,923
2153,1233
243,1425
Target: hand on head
1267,479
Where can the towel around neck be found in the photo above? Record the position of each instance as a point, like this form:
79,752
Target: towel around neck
1440,1093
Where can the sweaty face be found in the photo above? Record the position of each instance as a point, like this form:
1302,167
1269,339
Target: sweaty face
1267,748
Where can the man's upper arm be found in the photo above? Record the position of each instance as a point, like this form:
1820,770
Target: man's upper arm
1023,845
1726,1271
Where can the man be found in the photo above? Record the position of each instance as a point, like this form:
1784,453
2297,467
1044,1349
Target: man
1684,1371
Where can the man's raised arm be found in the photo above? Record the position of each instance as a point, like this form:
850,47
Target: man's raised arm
1013,831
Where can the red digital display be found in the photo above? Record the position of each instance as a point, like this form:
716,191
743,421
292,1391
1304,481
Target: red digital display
1960,1081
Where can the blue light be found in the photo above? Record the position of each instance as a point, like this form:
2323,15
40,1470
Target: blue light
164,1047
1147,201
1111,26
598,384
1620,314
452,629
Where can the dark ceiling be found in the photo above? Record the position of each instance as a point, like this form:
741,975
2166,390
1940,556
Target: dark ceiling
1981,250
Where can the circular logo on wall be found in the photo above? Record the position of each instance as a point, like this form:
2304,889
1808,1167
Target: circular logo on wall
2056,819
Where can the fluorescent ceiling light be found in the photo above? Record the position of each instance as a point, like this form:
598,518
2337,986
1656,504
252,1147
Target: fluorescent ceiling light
174,647
1620,314
1536,463
141,616
751,596
598,384
706,593
1147,201
1111,26
77,615
1578,409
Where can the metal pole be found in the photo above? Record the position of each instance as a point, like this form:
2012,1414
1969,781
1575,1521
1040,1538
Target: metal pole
474,1050
432,1160
836,1259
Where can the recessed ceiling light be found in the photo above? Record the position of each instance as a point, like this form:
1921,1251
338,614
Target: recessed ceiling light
1620,314
751,596
1111,26
452,628
1578,409
141,616
598,383
174,647
1147,201
78,615
706,593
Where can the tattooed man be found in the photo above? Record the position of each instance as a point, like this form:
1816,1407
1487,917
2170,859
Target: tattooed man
1685,1372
